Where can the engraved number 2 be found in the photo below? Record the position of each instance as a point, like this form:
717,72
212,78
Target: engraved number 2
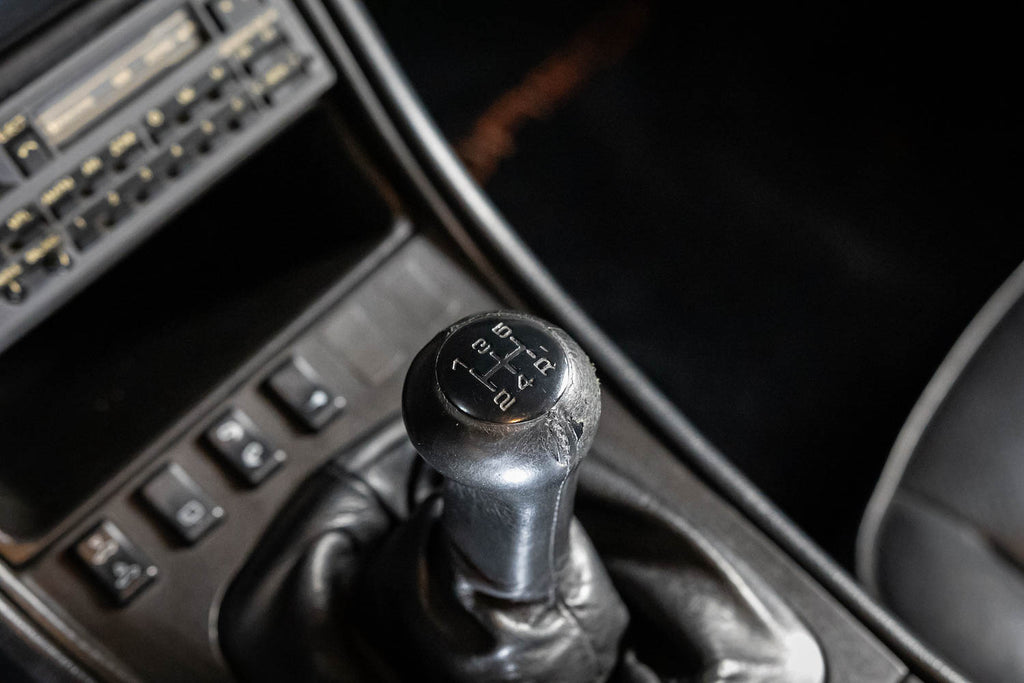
504,400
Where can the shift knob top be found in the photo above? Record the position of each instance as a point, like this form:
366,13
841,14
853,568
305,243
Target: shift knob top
502,369
505,406
501,399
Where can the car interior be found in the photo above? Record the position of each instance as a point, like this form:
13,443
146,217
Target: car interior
609,340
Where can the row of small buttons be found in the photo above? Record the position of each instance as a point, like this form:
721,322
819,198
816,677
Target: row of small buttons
180,109
25,230
89,225
27,150
19,227
121,567
148,180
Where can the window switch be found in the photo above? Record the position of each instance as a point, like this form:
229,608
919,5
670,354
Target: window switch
117,564
243,448
177,500
300,389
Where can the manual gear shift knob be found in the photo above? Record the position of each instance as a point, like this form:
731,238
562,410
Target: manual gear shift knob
504,406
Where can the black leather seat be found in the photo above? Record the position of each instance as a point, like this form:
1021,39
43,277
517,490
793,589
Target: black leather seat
942,543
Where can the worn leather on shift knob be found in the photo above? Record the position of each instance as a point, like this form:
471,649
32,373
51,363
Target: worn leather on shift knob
504,407
494,580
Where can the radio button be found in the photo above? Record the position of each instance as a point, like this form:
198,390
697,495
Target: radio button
273,71
173,162
60,196
115,207
186,100
140,187
173,112
123,148
211,83
20,225
47,250
102,215
84,231
9,283
235,114
28,152
12,128
156,122
202,138
89,173
268,37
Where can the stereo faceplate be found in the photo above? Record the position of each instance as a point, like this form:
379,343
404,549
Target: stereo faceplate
104,148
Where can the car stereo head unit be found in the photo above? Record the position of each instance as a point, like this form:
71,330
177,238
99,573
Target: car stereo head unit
97,153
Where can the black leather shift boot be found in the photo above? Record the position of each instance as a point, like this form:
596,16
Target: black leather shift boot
339,589
436,626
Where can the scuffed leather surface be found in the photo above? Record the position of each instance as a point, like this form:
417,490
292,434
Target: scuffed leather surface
288,614
948,553
710,613
339,590
955,588
458,634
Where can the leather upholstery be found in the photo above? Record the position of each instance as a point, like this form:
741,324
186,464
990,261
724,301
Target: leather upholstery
943,541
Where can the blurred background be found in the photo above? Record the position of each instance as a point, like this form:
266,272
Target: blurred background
784,215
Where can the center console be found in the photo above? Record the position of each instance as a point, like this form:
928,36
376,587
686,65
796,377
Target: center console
228,230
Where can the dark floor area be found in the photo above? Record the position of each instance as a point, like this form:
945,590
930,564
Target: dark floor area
786,218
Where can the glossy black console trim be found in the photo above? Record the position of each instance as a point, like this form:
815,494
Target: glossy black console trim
419,150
